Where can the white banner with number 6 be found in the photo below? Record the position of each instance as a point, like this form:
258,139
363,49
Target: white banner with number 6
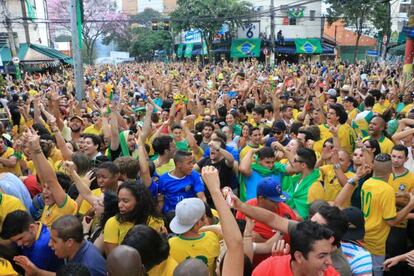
249,30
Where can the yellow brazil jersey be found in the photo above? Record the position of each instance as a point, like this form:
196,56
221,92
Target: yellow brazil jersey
295,113
407,108
205,248
9,204
14,170
52,212
386,144
85,206
56,155
402,183
315,192
164,168
378,206
6,269
347,138
352,114
379,108
166,268
325,135
92,130
245,150
331,183
115,231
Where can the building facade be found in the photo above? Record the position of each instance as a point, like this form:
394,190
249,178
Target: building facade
133,7
28,21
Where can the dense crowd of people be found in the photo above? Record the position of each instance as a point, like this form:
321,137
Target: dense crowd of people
189,169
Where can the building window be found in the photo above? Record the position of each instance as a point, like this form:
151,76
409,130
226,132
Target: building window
405,1
292,21
312,15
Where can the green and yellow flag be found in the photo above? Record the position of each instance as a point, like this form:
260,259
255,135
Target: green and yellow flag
245,47
189,50
180,50
308,46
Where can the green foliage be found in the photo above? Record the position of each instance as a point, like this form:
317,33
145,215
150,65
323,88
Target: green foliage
208,16
356,14
146,41
63,38
146,16
124,41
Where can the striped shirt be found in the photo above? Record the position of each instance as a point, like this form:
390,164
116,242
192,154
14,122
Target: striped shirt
359,259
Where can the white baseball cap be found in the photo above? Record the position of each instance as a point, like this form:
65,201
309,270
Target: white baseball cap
187,213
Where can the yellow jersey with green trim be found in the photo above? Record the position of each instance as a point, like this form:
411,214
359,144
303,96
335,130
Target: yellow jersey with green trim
246,149
347,138
115,231
331,183
402,183
85,206
9,204
52,212
378,206
205,248
14,170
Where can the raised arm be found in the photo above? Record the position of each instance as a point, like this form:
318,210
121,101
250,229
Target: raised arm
43,168
245,164
234,259
81,185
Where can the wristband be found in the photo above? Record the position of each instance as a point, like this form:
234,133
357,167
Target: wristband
337,166
37,151
351,181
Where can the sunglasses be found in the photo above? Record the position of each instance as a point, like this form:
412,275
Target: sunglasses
298,161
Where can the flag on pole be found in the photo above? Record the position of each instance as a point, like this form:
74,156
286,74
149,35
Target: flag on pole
180,50
204,50
79,23
308,46
189,50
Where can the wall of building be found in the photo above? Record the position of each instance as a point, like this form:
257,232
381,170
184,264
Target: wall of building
306,27
130,7
157,5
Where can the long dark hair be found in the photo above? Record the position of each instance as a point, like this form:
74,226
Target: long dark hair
145,206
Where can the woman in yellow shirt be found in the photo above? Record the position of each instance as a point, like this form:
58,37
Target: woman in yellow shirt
136,206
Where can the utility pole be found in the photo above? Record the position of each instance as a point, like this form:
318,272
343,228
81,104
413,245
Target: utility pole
272,32
8,24
75,23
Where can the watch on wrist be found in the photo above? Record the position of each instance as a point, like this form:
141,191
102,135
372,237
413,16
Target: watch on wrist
337,166
351,181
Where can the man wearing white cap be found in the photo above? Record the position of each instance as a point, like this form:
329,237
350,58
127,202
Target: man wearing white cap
190,216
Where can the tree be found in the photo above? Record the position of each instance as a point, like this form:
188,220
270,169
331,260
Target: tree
101,18
208,16
355,14
123,40
147,41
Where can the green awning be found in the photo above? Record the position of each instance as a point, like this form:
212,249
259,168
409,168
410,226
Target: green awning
25,54
241,48
308,46
53,53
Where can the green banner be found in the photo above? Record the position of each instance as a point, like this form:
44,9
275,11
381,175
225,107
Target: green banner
244,47
79,22
308,46
180,50
30,10
204,50
189,50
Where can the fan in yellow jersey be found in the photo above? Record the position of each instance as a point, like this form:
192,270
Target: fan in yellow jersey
255,136
402,181
376,131
332,178
8,159
6,269
135,207
57,202
189,218
378,206
9,204
346,135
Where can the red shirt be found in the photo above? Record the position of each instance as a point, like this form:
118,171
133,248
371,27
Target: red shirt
280,265
264,230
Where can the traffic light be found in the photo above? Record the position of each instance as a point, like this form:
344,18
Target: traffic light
154,25
166,25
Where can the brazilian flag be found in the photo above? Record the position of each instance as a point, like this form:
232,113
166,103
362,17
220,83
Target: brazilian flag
245,47
189,50
180,50
308,46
